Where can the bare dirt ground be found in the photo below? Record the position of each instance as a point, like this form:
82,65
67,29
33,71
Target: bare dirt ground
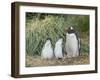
36,61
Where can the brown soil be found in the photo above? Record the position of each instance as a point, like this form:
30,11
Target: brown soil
35,61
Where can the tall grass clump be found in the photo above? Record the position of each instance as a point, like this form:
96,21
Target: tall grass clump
39,27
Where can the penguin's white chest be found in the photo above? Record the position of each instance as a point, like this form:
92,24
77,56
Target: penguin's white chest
72,45
47,51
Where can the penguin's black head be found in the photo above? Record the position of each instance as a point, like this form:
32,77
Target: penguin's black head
49,39
70,30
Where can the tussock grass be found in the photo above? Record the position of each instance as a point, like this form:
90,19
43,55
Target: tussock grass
53,26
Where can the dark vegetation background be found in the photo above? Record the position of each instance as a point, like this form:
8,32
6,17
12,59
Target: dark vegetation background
40,26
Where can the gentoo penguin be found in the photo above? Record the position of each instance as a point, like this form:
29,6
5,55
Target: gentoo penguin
72,45
58,51
47,50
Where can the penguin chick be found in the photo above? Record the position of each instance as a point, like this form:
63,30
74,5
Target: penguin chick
58,49
47,50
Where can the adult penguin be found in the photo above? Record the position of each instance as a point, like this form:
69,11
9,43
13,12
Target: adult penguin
72,45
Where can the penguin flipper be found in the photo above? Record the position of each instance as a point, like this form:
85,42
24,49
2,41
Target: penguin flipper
79,45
